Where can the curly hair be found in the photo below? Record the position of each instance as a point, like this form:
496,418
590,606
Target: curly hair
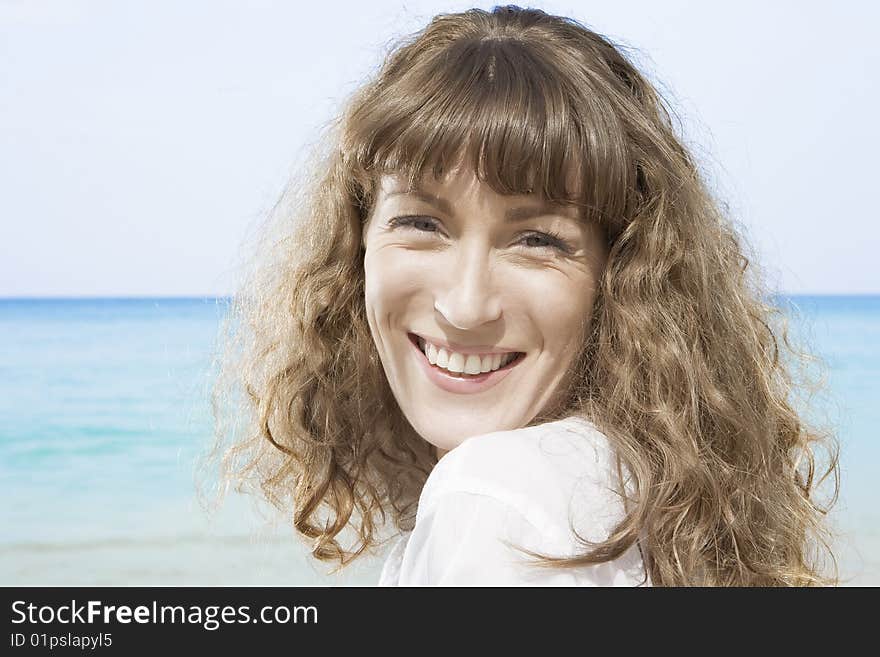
687,369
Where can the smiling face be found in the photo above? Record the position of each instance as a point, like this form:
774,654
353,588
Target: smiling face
460,280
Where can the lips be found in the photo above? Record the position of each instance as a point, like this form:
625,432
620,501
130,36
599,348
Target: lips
466,384
504,356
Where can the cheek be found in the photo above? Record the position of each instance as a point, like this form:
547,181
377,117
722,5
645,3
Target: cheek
390,280
560,304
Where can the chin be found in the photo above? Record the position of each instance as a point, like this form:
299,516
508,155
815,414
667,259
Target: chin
452,434
445,443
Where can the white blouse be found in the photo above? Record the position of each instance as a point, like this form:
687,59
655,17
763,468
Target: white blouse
527,487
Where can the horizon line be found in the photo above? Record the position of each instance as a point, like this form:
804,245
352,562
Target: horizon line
114,297
216,297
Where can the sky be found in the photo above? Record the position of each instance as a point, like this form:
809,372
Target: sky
141,143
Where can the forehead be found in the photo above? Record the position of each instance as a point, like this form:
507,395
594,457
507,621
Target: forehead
461,184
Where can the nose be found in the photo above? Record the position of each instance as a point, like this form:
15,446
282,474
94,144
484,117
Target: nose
471,299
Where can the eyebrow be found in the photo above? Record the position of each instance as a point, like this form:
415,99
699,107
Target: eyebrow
513,215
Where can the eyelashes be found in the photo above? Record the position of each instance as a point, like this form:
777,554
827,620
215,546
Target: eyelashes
553,241
413,221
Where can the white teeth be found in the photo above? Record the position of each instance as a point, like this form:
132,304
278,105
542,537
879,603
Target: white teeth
472,365
456,362
460,363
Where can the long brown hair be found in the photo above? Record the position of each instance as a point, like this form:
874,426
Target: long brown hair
687,368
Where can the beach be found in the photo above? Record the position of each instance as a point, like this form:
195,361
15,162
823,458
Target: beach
199,552
105,415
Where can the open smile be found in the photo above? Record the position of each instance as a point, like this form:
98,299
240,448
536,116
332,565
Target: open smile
461,382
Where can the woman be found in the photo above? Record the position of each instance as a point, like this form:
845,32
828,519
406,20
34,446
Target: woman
511,319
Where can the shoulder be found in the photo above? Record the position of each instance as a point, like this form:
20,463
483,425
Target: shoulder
556,476
499,496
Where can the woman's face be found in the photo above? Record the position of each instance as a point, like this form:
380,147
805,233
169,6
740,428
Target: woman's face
474,279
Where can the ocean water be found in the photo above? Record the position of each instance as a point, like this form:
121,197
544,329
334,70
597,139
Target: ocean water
104,412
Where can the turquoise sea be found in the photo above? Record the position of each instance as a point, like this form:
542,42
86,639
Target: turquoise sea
104,412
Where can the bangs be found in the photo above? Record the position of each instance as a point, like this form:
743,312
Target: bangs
503,108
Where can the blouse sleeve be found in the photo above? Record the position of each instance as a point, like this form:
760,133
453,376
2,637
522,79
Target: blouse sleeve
467,539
